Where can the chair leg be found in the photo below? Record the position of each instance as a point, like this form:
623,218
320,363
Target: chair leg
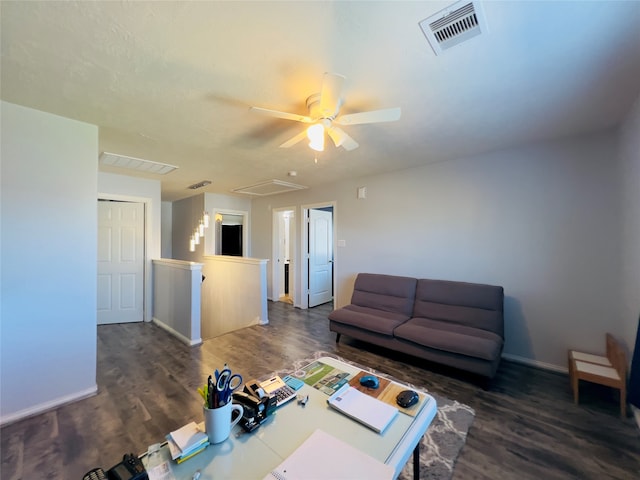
623,402
337,337
575,386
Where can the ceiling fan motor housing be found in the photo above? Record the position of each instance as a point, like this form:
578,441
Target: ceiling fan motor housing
315,112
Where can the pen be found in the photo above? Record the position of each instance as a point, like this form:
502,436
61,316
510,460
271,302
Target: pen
196,475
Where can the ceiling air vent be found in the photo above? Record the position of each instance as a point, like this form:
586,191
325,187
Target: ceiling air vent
453,25
132,163
270,187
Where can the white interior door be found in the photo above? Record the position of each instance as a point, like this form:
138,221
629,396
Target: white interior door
283,253
120,262
320,257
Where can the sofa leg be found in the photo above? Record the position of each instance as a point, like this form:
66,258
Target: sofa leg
486,383
337,337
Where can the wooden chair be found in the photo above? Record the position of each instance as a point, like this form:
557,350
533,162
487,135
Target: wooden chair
610,370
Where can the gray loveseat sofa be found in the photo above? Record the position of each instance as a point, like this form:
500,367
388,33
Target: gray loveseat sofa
453,323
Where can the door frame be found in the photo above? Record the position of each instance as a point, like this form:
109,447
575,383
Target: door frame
211,234
293,246
147,284
303,287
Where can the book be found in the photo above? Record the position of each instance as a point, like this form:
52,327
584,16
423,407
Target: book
322,377
341,460
193,453
187,440
367,410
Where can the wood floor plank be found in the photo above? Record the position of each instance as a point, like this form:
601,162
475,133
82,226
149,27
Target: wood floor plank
526,425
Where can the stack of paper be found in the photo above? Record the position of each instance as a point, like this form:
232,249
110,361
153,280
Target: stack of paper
186,442
367,410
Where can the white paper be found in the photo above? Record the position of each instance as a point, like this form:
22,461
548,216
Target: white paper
324,456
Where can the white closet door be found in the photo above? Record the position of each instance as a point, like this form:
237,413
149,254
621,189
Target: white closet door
120,262
320,257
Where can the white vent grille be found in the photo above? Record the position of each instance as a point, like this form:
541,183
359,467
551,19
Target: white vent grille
453,25
122,161
270,187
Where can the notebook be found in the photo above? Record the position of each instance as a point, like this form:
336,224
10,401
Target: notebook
324,456
367,410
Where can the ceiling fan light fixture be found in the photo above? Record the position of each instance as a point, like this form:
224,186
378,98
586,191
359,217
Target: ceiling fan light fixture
324,111
315,134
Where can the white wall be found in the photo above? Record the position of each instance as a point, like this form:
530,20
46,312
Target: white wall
543,221
133,189
48,254
630,250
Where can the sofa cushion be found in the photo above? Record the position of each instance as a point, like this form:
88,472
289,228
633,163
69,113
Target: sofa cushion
367,318
388,293
451,337
470,304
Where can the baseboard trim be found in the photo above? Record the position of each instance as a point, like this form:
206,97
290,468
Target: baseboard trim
178,335
535,363
48,406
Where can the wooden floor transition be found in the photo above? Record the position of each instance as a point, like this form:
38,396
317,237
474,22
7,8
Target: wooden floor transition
526,425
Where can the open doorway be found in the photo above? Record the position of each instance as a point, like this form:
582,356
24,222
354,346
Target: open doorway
230,233
282,274
318,239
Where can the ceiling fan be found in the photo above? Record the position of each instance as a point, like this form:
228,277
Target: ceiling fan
324,115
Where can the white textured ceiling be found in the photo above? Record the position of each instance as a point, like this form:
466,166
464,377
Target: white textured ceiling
172,82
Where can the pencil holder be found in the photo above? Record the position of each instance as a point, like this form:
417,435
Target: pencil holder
218,423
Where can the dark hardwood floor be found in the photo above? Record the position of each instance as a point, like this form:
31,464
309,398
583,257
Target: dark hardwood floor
526,424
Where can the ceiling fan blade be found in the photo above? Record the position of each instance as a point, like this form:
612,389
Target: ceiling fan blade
374,116
290,143
330,94
284,115
341,139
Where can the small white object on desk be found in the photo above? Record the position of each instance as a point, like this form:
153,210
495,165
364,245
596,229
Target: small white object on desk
161,472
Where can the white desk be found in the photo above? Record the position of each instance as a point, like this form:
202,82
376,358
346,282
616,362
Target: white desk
245,456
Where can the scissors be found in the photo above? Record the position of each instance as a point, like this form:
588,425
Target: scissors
226,384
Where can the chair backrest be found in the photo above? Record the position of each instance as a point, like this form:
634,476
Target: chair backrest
617,356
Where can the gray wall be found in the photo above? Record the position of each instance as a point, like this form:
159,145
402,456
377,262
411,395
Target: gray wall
49,248
186,214
630,206
166,229
544,221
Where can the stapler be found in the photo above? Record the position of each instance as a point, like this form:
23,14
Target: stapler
257,407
